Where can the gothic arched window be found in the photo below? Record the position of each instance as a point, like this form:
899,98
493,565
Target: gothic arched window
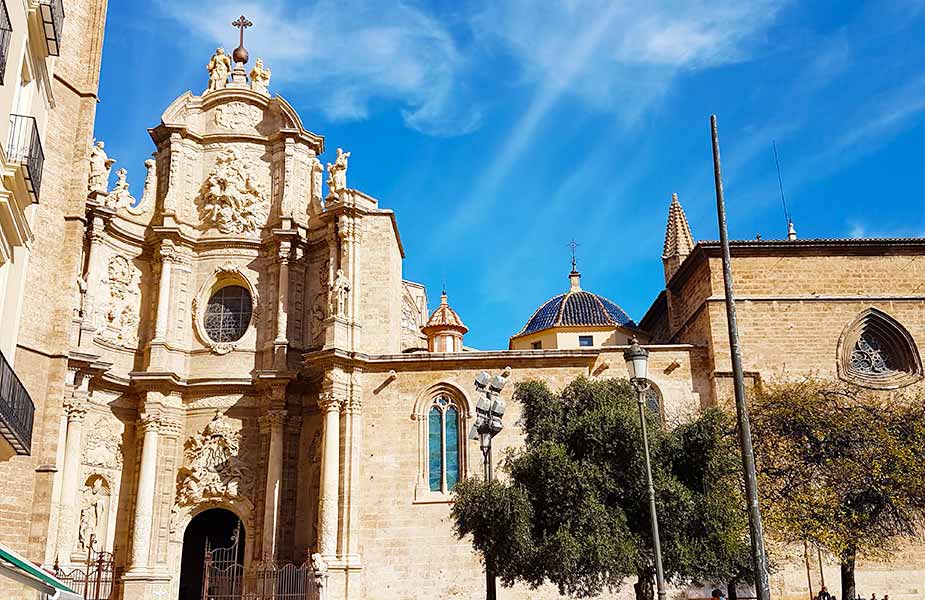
876,351
443,441
228,314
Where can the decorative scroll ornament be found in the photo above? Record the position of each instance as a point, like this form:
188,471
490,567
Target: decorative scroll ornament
215,473
238,115
117,321
231,198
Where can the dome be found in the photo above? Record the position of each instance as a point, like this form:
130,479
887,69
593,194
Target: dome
576,308
443,318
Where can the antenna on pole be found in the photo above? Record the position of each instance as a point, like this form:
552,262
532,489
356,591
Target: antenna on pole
791,231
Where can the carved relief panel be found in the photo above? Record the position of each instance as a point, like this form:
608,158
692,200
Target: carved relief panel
116,312
234,197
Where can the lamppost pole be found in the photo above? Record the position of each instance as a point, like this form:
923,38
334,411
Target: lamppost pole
488,413
637,359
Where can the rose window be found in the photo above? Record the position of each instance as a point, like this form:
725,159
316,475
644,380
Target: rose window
228,314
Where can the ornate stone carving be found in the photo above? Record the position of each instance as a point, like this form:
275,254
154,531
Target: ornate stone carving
231,198
117,319
120,197
100,165
271,420
150,190
75,409
237,115
260,78
337,173
340,290
103,446
214,471
94,502
219,67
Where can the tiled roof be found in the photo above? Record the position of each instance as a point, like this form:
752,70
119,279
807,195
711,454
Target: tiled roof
577,308
678,238
444,317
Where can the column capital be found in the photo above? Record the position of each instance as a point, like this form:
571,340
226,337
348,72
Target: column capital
170,427
75,409
273,420
328,402
148,422
352,404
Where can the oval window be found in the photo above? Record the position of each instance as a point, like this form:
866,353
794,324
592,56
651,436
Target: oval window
228,314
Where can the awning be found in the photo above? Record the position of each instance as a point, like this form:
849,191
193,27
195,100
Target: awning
17,567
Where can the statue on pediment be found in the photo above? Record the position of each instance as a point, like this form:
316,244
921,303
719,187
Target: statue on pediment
120,197
337,173
100,166
219,67
260,78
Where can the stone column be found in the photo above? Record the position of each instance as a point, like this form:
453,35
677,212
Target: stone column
283,300
76,409
144,498
353,435
163,296
272,424
330,459
96,272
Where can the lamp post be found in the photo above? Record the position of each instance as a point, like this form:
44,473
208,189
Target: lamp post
488,413
637,363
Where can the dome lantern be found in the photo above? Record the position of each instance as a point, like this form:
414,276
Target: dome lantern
444,329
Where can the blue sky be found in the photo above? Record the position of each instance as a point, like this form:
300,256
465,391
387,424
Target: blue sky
498,131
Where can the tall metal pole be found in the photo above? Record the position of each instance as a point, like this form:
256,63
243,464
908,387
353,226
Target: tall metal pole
653,516
491,592
759,558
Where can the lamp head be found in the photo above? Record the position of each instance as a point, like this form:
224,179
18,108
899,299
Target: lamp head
482,380
637,360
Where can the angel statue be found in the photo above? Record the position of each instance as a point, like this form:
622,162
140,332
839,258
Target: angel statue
219,67
260,78
337,173
120,197
100,166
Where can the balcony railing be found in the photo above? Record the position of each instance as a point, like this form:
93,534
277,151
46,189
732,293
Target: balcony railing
53,24
6,30
25,147
16,409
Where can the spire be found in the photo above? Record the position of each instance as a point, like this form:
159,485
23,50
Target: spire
678,239
574,276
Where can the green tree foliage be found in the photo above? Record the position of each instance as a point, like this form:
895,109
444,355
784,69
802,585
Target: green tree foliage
841,467
574,507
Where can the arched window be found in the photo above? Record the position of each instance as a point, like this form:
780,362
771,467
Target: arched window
653,400
228,314
443,441
876,351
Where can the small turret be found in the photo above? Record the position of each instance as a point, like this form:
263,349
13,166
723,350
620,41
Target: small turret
678,239
444,329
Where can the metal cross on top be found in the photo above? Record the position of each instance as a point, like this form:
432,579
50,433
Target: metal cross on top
573,245
240,53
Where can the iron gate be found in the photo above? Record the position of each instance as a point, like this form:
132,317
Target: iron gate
94,580
222,574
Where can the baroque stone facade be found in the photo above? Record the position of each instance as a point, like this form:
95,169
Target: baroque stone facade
243,339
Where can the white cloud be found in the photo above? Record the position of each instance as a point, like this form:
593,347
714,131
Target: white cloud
352,54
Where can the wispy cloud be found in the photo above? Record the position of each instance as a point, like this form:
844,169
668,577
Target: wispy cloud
352,54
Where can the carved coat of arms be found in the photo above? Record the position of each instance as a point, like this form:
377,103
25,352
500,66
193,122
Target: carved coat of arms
231,198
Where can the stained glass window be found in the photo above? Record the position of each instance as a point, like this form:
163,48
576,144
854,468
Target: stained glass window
869,357
443,445
228,314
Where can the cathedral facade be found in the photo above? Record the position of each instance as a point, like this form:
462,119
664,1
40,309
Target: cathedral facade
241,344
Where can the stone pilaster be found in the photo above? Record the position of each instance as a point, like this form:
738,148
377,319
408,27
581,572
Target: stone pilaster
333,394
271,424
352,434
76,409
144,498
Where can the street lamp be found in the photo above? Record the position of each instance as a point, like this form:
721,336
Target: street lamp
637,363
489,409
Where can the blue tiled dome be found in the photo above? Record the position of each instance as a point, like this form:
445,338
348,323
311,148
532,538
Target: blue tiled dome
577,308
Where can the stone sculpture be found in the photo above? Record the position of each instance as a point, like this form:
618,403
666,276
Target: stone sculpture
337,173
340,290
100,166
231,197
118,321
260,78
120,197
92,507
219,67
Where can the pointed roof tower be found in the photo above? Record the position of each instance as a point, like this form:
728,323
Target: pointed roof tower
444,329
678,239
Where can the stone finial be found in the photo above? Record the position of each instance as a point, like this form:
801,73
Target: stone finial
678,239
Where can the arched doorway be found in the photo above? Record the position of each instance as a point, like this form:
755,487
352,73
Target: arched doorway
216,528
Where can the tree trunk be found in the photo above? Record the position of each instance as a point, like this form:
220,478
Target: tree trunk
731,592
848,589
643,586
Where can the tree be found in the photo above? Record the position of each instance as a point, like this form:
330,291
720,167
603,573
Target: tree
841,467
574,510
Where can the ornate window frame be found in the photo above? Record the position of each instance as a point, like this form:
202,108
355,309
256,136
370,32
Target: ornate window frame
900,347
421,413
224,275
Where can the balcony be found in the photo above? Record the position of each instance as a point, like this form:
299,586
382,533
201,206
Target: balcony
53,24
6,30
16,410
25,148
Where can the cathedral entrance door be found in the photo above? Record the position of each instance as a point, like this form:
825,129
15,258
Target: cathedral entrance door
212,566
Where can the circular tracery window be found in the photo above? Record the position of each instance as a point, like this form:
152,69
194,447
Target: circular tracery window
228,314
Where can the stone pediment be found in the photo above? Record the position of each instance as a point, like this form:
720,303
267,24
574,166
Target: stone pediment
233,112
